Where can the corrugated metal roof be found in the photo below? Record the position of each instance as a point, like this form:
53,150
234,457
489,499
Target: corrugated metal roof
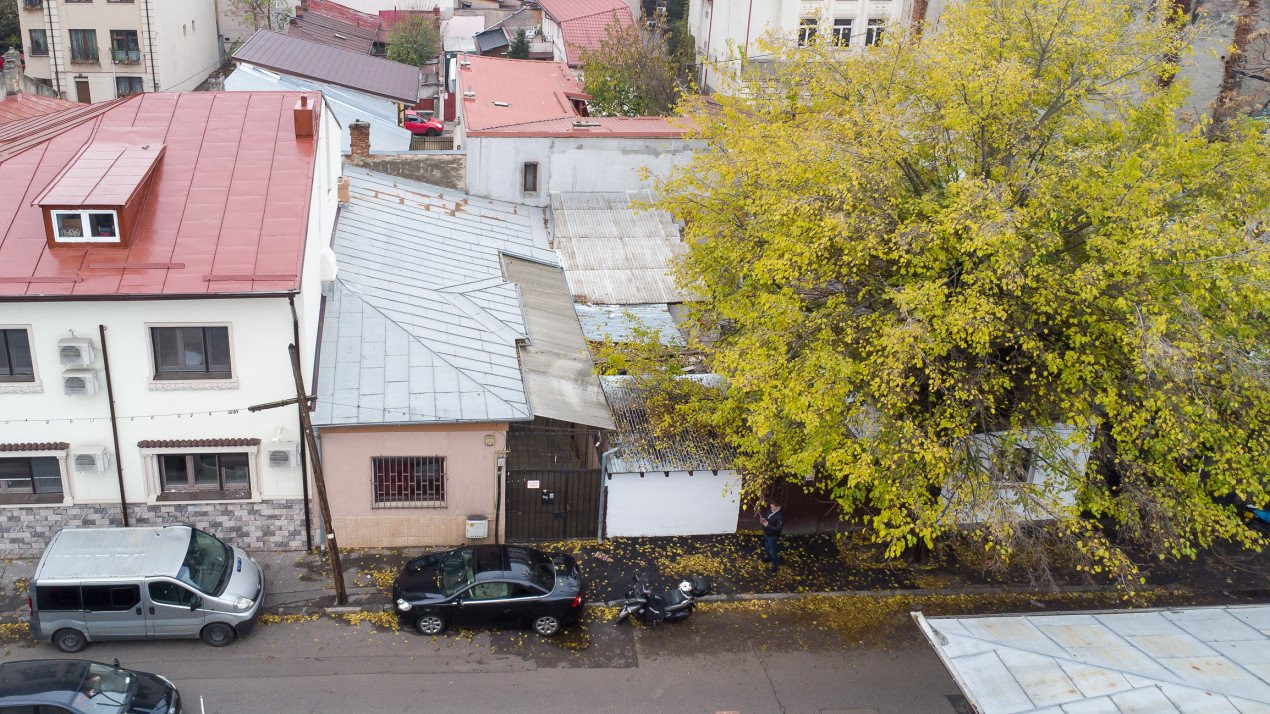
1200,659
620,322
642,450
347,104
422,326
584,24
26,106
458,34
614,253
314,60
559,373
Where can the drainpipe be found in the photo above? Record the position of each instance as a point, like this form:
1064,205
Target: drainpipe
304,461
709,36
154,75
604,492
52,40
114,424
498,489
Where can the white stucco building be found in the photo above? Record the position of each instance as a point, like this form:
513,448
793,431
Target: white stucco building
526,133
193,230
98,50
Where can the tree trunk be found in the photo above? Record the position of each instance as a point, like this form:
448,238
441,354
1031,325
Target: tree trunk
1177,15
1228,94
919,15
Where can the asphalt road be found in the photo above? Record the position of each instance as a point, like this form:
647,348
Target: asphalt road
720,661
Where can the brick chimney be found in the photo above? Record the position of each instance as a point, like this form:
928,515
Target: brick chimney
305,118
359,139
12,73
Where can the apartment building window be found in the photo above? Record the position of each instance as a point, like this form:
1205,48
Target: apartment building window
30,480
15,356
873,33
1013,464
124,47
204,476
842,31
409,480
84,46
529,177
39,43
102,226
807,30
191,352
127,86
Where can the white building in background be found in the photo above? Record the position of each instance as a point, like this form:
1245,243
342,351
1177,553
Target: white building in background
726,30
94,50
195,229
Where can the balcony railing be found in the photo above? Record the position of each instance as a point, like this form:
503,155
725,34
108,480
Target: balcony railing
33,4
126,56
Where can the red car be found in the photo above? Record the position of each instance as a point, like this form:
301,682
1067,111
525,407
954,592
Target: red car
425,124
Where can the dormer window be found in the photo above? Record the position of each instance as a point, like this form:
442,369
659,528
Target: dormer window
86,226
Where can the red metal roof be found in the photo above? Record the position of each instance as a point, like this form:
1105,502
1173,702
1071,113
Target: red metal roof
337,26
585,23
538,98
227,210
27,106
106,173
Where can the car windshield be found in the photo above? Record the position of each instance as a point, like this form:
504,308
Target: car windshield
456,571
105,688
207,562
543,573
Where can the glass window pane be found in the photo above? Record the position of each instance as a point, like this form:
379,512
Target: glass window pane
102,225
15,476
217,349
235,467
193,355
57,597
167,349
5,369
205,473
70,225
175,472
19,352
48,476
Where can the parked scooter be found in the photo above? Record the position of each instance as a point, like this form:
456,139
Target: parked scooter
655,608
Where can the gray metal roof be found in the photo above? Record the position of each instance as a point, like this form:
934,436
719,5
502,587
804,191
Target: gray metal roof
614,252
620,322
642,450
1199,659
315,60
422,326
347,104
113,553
559,373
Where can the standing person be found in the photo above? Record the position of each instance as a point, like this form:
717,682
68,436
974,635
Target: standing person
773,523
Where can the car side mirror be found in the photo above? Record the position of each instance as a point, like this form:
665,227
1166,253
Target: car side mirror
198,602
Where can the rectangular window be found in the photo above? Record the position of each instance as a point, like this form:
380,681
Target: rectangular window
84,46
191,352
111,598
807,30
57,597
15,356
39,43
124,47
128,86
842,31
69,226
204,476
35,479
529,177
409,480
873,33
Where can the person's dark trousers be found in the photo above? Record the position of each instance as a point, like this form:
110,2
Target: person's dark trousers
771,543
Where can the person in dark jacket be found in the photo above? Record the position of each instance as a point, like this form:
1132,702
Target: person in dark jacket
773,523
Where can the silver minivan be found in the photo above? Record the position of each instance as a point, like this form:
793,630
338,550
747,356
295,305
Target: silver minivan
136,583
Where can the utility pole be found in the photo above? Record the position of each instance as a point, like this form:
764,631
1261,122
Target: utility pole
310,439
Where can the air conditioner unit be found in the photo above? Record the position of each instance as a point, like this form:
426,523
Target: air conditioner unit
79,382
75,351
93,459
284,455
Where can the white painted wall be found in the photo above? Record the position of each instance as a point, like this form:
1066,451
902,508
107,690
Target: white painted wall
494,165
551,32
185,42
683,503
1060,449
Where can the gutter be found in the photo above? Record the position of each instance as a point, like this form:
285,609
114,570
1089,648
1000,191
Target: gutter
154,75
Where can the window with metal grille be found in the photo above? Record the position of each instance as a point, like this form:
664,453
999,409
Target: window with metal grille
409,480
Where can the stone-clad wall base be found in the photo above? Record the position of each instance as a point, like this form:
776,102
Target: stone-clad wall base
267,525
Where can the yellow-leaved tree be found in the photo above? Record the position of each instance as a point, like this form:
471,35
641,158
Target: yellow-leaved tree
985,279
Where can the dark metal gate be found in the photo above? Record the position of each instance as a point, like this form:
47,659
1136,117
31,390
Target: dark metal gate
552,504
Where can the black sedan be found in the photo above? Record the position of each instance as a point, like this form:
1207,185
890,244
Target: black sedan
489,586
83,686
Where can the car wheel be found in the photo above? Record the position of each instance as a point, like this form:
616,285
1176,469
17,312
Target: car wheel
430,625
69,641
218,634
547,625
432,132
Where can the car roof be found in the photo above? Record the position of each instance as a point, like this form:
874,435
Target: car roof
113,553
504,562
43,681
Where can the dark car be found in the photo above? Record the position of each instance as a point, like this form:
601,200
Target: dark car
489,586
83,686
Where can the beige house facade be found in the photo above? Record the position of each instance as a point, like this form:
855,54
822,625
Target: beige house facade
97,50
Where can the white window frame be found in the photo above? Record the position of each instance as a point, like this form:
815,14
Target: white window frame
806,24
154,480
83,218
185,385
68,496
874,29
35,386
524,169
840,38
